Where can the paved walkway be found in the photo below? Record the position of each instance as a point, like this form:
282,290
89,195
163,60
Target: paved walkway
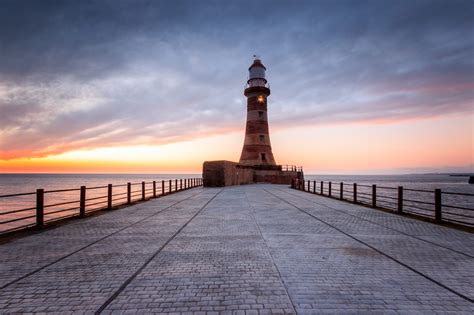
258,249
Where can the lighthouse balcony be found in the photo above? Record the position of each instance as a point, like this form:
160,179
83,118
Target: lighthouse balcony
257,82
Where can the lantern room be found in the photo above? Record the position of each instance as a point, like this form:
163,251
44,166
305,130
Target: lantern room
257,74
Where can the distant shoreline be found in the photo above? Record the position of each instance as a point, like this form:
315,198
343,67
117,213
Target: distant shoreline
461,175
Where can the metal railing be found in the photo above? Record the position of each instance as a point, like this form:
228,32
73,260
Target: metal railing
291,168
439,206
257,84
79,202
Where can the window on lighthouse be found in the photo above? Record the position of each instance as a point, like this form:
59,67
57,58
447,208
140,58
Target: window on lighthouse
260,115
262,138
263,156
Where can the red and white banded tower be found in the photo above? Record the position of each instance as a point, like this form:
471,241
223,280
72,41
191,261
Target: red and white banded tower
257,148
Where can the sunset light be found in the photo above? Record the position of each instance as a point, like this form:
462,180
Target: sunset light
135,100
244,157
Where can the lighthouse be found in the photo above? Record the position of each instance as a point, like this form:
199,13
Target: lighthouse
257,149
256,164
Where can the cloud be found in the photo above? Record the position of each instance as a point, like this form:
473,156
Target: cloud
77,75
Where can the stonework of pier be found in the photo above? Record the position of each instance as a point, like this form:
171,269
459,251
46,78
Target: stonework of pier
253,249
226,173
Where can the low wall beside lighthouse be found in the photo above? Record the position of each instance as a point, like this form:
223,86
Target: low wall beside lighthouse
226,173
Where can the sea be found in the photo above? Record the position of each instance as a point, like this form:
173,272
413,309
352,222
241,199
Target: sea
423,186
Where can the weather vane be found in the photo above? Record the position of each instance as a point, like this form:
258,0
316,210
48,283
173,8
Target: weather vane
256,56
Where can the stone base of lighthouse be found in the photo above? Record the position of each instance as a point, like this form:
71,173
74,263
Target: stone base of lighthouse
227,173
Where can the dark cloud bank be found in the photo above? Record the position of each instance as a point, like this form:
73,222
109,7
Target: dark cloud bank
78,74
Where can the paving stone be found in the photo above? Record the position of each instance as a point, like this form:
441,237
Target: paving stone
248,251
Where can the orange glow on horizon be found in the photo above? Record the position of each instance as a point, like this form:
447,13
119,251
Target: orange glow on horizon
341,148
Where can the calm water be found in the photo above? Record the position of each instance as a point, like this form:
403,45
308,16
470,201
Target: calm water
17,183
21,183
417,181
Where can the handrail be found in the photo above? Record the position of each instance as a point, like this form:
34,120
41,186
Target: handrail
291,168
372,197
17,195
107,199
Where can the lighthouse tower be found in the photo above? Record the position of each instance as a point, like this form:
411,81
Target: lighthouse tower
257,148
257,164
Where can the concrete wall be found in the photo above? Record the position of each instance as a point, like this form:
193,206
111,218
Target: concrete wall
274,177
227,173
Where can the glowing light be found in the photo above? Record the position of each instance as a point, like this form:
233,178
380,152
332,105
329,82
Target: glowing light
366,147
261,99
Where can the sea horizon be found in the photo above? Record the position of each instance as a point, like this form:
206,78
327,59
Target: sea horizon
11,183
199,173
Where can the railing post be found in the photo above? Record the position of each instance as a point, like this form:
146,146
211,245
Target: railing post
322,187
314,186
176,184
82,202
180,184
39,208
355,193
400,199
438,217
162,187
330,189
129,193
374,196
309,186
109,196
143,190
341,191
169,188
154,189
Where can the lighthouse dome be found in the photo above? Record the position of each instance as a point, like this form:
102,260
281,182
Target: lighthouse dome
257,70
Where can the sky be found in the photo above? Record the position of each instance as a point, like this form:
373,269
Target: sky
358,87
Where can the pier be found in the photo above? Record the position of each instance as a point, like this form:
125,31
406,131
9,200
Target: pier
252,249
